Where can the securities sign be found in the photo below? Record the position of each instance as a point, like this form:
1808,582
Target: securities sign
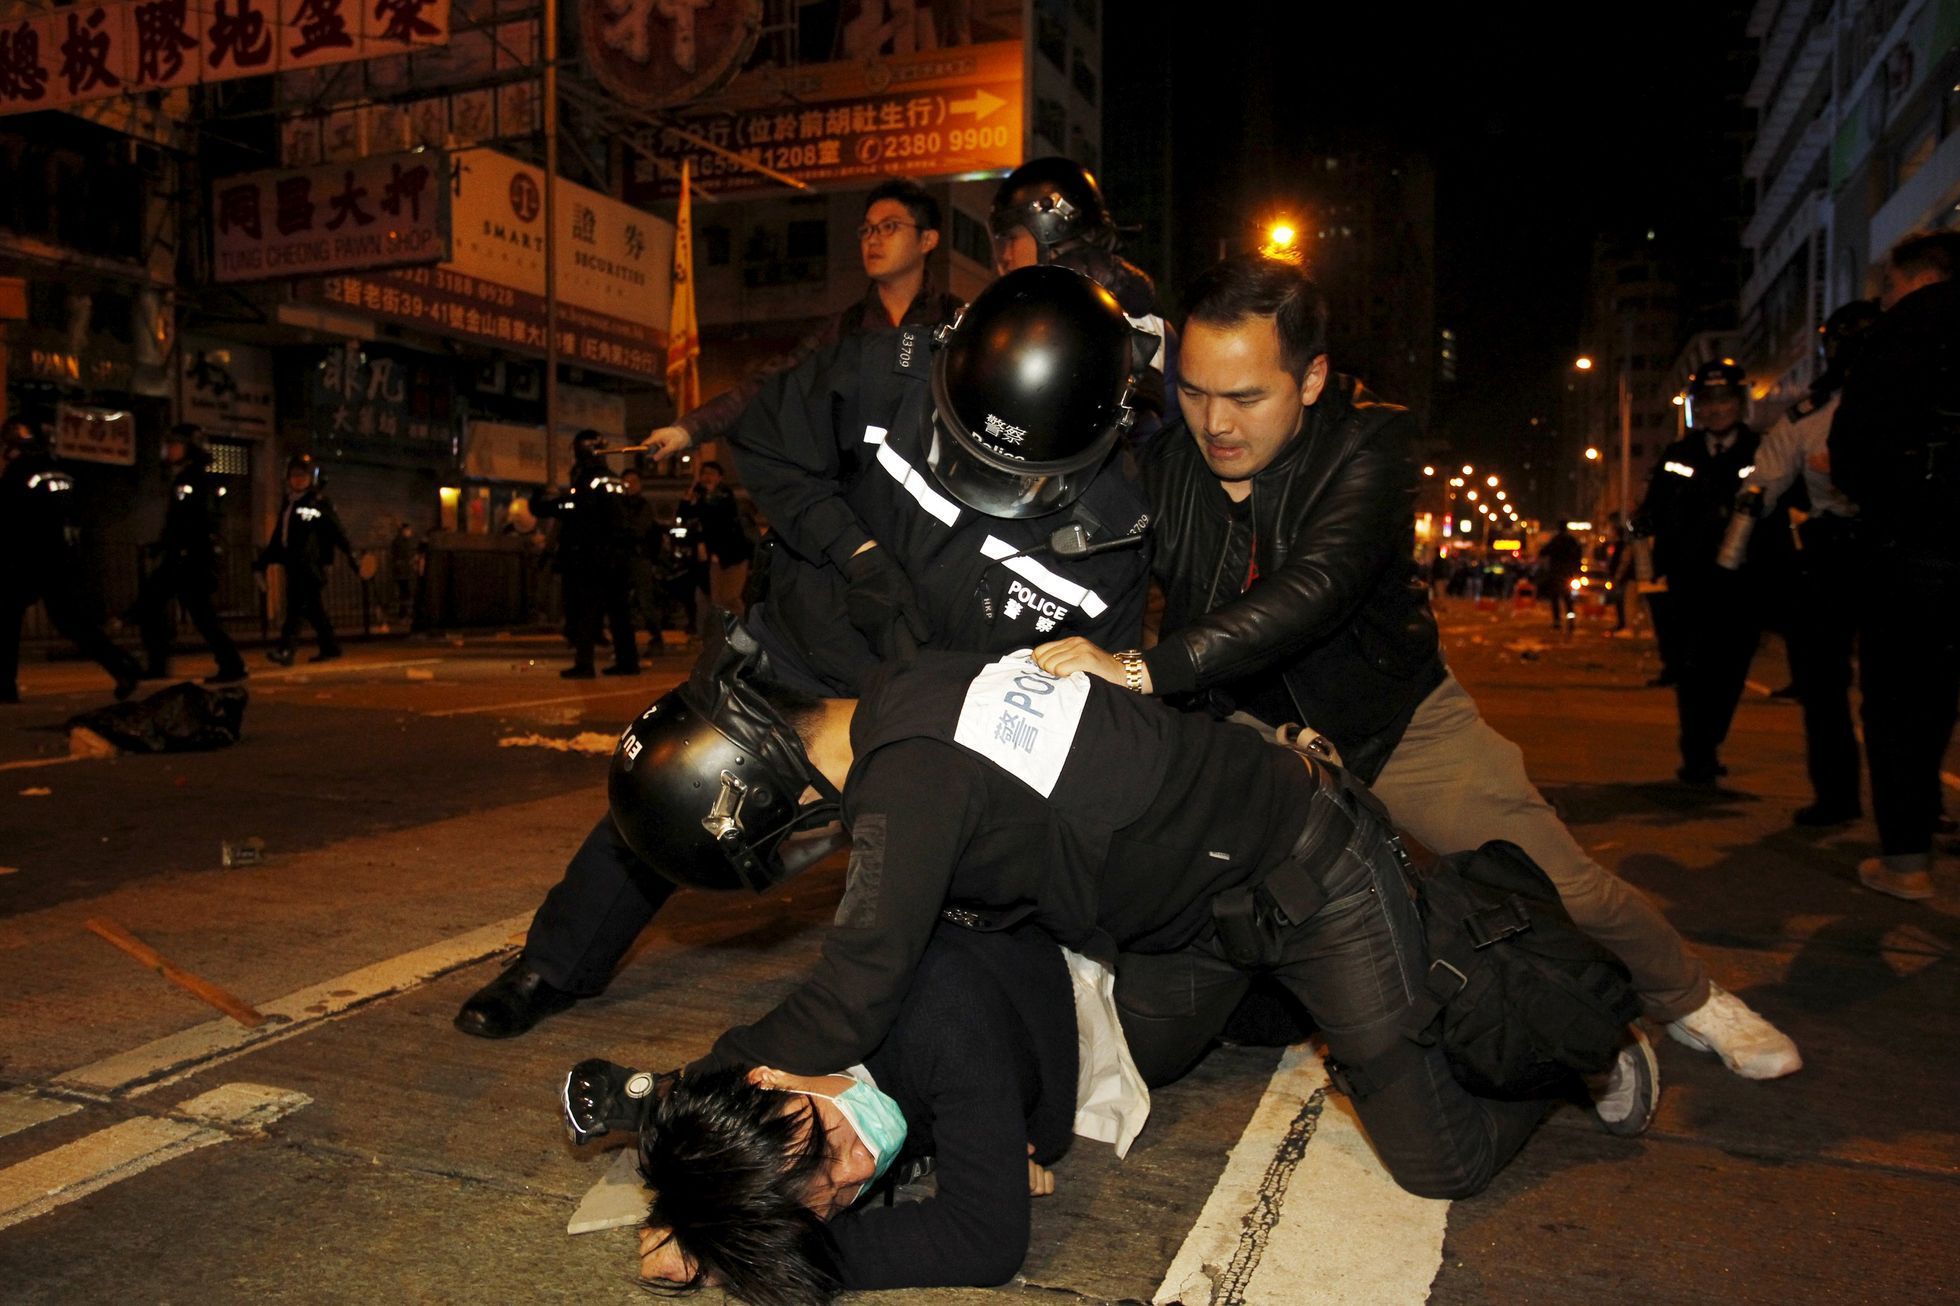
934,113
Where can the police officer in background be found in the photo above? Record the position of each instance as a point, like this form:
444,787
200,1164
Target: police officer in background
901,227
1823,619
37,541
973,497
1687,510
1895,449
593,545
186,561
1051,211
304,541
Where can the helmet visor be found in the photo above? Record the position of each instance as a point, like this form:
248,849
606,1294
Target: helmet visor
989,484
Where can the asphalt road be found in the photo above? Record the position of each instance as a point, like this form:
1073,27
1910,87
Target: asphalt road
355,1148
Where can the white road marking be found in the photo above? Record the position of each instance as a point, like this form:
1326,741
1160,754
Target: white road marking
1304,1212
646,691
74,1170
23,1108
174,1056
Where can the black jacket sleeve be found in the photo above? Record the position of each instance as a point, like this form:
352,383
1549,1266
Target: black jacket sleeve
1338,551
719,415
908,827
791,455
974,1231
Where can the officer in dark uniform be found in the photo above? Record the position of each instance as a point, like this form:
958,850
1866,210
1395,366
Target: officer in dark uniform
1895,449
1051,211
594,549
1822,620
304,542
37,540
972,496
186,561
1686,511
642,530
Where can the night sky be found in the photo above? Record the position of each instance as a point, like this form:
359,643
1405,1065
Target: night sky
1543,134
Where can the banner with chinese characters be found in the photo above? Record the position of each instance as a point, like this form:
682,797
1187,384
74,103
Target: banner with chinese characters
227,388
93,51
371,403
96,435
385,211
611,264
939,112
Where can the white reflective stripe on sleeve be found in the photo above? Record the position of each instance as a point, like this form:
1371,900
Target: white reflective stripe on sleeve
874,435
1057,586
915,485
1679,469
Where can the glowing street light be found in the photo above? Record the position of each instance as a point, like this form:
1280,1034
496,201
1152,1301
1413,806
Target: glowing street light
1472,496
1500,496
1583,362
1491,481
1282,242
1468,470
1428,470
1457,481
1592,454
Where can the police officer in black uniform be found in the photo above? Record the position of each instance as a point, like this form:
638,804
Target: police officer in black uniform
1686,511
594,556
1051,211
304,542
37,541
972,496
186,561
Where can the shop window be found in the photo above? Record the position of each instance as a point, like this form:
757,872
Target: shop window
231,457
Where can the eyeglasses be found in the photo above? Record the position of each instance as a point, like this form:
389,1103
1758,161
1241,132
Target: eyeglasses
885,230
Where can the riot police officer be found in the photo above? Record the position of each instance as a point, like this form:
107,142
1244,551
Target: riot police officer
594,552
970,496
1051,211
1686,511
185,558
37,539
1823,619
304,541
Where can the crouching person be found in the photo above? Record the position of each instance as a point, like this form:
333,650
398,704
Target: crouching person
767,1182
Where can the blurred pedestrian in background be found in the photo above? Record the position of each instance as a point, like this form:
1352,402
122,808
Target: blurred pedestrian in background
184,560
1562,560
304,541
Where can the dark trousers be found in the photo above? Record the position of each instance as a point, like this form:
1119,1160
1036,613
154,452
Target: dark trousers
1717,635
189,585
57,594
1822,630
306,602
593,914
1355,965
1661,610
1909,671
598,592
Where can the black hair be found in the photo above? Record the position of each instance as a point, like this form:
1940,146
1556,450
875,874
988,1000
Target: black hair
1927,251
729,1164
917,201
1252,285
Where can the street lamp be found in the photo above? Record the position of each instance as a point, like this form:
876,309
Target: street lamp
1468,470
1491,481
1592,453
1282,241
1583,363
1457,481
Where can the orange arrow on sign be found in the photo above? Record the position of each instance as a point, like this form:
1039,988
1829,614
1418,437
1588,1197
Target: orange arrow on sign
980,106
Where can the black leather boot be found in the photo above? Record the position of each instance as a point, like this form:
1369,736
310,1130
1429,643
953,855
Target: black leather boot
511,1003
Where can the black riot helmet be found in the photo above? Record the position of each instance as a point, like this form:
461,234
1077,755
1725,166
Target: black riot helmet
587,444
1030,390
1838,341
707,784
1057,200
197,452
1722,376
307,464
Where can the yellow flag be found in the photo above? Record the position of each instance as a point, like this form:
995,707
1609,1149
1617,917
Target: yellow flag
683,326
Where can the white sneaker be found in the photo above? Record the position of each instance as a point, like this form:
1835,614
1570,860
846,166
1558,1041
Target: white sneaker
1625,1097
1748,1045
1913,885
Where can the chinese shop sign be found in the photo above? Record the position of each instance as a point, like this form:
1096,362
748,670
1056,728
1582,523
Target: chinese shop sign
366,213
227,387
660,53
611,261
372,403
93,51
938,113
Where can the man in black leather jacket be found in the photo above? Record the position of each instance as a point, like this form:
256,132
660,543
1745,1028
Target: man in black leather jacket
1283,505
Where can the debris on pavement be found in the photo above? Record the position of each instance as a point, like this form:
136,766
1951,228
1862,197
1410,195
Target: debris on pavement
594,742
241,852
204,990
83,742
36,791
182,718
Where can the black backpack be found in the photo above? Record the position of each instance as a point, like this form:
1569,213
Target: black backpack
1520,1000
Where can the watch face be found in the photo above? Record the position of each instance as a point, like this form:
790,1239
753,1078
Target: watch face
639,1085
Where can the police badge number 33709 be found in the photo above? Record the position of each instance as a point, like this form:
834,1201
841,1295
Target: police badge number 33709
1022,719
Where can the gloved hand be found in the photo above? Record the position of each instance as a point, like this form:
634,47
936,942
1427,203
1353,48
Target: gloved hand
601,1096
882,604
